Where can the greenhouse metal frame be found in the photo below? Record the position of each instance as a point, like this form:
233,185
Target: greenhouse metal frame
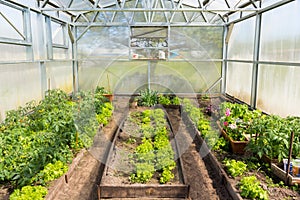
249,49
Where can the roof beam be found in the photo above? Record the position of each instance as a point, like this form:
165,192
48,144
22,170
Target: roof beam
177,9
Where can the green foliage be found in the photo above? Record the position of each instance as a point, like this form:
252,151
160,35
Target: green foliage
213,140
175,101
250,188
147,98
235,168
164,100
168,99
273,136
50,172
144,172
145,152
28,144
166,176
45,132
105,113
29,192
85,118
203,124
155,151
236,119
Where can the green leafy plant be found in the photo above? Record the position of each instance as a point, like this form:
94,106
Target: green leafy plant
164,100
105,113
166,176
144,172
236,118
51,172
44,132
147,98
250,188
29,192
235,168
155,151
175,101
272,136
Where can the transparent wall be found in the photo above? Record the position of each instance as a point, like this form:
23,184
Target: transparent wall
11,16
196,43
38,28
194,65
59,75
20,83
239,80
279,89
25,70
280,41
241,41
9,52
186,77
103,43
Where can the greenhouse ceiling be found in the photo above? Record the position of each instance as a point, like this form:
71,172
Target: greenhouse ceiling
157,12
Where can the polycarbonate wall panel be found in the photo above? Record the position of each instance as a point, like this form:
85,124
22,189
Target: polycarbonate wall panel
32,4
196,43
104,43
279,89
62,53
280,34
20,83
186,77
241,41
117,76
59,75
38,36
129,77
9,52
101,51
12,23
239,80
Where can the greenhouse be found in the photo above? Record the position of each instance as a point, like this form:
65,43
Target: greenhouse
149,99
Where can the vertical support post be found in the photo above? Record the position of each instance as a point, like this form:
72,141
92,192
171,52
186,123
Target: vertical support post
149,74
28,33
41,48
49,38
224,60
75,63
255,61
290,157
43,78
169,33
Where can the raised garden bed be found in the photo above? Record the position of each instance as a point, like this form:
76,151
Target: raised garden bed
287,178
116,182
206,153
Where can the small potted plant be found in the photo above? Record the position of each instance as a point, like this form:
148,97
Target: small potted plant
134,102
234,124
108,94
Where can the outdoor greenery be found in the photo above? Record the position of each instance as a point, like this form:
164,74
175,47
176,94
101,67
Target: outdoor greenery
40,139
